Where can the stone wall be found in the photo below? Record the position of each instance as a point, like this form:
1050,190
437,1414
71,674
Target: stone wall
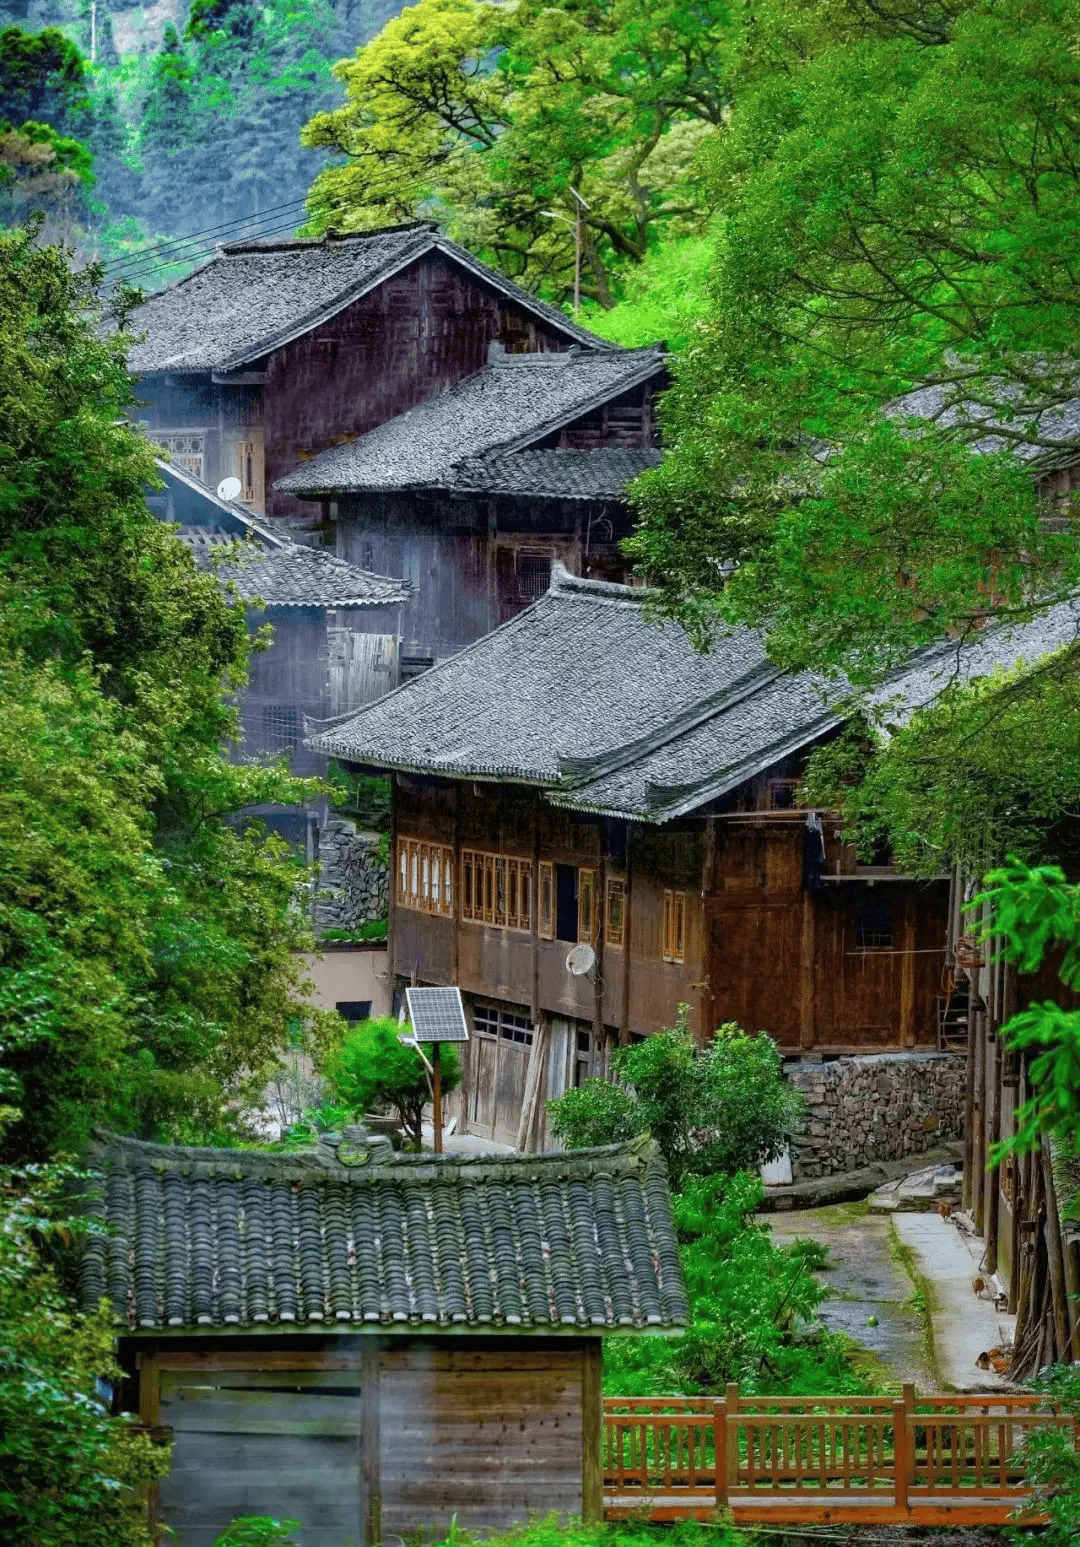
877,1108
353,880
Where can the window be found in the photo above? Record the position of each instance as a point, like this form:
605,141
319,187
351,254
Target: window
533,575
545,905
496,889
425,877
674,926
873,926
503,1023
586,918
615,912
353,1010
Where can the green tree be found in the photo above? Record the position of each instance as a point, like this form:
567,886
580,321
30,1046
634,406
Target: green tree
148,975
42,77
494,117
70,1475
373,1070
723,1108
168,116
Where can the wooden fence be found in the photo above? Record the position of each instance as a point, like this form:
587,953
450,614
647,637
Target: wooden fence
785,1460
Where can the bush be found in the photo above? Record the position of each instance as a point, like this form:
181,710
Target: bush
722,1108
258,1531
373,1070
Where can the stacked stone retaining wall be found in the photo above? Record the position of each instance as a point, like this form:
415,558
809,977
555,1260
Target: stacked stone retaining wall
353,879
882,1107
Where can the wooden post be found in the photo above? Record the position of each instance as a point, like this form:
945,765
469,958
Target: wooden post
628,904
909,1410
901,1462
720,1440
592,1474
1063,1322
370,1483
969,1101
731,1448
436,1095
149,1373
907,976
806,973
993,1202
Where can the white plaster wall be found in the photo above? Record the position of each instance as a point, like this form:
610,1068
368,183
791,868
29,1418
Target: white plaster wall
350,972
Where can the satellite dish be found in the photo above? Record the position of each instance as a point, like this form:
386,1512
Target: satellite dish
229,488
580,959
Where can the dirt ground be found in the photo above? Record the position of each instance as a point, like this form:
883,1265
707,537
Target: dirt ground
871,1297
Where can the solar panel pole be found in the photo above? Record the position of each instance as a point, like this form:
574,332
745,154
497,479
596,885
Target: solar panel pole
436,1095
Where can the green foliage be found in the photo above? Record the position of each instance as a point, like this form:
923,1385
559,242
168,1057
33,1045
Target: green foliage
69,1473
148,975
374,929
721,1108
258,1531
665,298
372,1070
42,77
1035,912
551,1532
749,1305
493,117
367,796
1052,1462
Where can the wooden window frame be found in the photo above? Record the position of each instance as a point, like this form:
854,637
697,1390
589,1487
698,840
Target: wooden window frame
496,889
674,943
586,906
424,877
545,919
615,934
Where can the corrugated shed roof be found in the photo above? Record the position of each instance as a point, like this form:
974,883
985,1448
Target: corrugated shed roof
202,1239
608,711
513,402
253,297
568,475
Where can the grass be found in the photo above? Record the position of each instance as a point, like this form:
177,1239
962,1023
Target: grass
922,1301
554,1531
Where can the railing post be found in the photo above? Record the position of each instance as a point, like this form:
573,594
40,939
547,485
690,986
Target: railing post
720,1438
731,1434
901,1451
909,1409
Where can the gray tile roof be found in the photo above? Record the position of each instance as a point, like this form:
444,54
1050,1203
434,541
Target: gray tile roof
608,711
252,297
1044,437
228,1240
568,475
512,403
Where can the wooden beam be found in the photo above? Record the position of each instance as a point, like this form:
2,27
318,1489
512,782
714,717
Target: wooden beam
993,1204
592,1473
1064,1324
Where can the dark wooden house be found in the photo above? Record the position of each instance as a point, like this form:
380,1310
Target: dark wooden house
582,776
474,495
275,349
336,626
372,1344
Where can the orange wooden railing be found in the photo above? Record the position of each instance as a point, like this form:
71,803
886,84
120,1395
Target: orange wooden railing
788,1459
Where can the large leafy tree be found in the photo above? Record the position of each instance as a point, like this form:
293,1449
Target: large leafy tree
147,974
495,117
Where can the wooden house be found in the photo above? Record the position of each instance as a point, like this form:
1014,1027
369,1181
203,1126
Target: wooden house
582,776
275,349
475,494
375,1345
336,626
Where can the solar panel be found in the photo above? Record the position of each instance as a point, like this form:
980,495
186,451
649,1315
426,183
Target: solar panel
437,1014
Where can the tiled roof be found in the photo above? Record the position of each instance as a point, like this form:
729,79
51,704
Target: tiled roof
229,1240
568,475
296,576
608,711
514,402
253,297
1044,437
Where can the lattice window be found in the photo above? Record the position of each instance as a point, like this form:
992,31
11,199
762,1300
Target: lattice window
186,449
873,926
498,1021
425,877
674,926
496,889
545,906
586,906
615,912
533,575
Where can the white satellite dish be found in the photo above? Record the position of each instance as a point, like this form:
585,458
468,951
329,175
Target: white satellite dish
580,959
229,488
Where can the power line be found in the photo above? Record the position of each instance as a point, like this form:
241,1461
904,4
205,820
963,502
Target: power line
202,236
154,264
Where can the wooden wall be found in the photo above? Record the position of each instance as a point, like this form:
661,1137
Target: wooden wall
360,1436
467,557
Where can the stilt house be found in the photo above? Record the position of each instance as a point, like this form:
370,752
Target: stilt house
375,1345
582,777
274,350
474,495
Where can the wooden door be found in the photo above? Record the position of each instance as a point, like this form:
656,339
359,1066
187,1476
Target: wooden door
362,667
498,1068
263,1442
243,456
483,1057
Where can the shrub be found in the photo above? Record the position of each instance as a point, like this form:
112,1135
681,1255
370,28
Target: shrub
373,1070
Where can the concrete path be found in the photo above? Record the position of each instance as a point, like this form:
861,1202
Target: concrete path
965,1323
871,1297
